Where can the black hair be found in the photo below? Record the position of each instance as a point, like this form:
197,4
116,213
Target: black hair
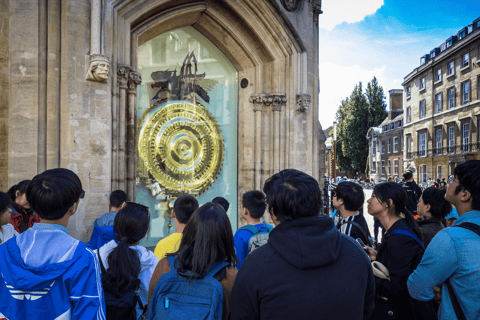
292,194
131,224
352,195
21,187
52,193
4,202
468,174
393,191
439,207
117,198
223,202
184,207
407,175
254,201
207,238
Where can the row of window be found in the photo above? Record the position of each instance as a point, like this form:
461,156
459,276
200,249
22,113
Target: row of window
422,140
382,150
465,98
396,164
423,171
392,125
465,62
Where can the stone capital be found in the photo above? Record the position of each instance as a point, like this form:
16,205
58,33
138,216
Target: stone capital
99,69
122,76
279,100
303,102
134,80
258,101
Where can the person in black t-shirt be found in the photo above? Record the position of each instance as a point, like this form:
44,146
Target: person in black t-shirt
348,198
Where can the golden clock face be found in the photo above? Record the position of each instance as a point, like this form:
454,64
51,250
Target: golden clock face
181,146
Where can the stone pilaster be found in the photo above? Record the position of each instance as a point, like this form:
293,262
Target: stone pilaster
134,79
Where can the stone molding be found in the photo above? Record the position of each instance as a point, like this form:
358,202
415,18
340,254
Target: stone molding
258,101
279,101
303,102
123,73
99,69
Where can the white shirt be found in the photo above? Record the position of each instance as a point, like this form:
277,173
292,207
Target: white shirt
7,232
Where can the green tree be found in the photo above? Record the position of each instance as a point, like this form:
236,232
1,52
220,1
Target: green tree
354,116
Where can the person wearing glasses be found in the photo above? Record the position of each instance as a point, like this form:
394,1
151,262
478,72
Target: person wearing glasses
128,265
450,268
46,273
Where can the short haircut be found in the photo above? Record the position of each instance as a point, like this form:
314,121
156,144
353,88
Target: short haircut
4,202
439,207
52,193
254,201
352,195
117,198
407,175
184,207
468,174
292,194
223,202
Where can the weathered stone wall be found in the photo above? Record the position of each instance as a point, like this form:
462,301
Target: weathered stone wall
4,90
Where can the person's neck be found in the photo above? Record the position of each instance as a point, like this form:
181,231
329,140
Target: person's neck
62,221
346,213
114,209
388,220
463,208
253,221
179,226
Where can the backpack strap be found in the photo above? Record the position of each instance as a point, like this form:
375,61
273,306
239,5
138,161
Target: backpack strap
251,228
408,234
470,226
361,229
171,261
456,305
217,266
101,263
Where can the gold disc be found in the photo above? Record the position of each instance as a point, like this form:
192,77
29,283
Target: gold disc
181,146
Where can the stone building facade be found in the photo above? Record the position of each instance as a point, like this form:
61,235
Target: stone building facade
386,142
442,106
77,78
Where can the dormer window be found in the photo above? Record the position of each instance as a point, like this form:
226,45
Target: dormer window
461,34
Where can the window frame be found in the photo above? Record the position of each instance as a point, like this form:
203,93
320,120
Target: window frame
422,83
465,62
438,103
422,147
451,68
422,109
389,147
383,167
465,84
409,114
395,166
382,150
422,172
438,75
465,137
438,141
451,98
439,171
451,138
395,144
409,91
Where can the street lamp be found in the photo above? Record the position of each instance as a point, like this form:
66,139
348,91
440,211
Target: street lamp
334,151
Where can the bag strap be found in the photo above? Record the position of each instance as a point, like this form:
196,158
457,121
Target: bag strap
140,303
361,229
409,234
101,263
251,228
171,261
470,226
456,305
217,266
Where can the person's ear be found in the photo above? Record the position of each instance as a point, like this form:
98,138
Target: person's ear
340,201
428,207
17,193
73,208
465,195
246,212
275,220
173,214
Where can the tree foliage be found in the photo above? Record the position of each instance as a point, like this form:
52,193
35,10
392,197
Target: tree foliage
355,116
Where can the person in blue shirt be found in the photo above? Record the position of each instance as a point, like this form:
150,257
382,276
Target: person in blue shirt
103,226
453,253
253,208
47,274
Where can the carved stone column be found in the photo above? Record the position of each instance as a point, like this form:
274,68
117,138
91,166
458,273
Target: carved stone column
258,100
134,79
279,101
119,136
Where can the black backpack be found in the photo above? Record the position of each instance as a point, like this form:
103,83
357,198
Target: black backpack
122,308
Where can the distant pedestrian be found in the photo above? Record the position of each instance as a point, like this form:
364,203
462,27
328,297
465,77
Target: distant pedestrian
413,191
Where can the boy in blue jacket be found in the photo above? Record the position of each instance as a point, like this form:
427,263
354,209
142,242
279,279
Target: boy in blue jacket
47,274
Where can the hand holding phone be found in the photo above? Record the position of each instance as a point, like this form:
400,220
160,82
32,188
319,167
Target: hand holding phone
370,251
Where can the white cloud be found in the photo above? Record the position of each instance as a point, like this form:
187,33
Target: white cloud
350,11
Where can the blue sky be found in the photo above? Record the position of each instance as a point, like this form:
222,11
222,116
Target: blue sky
360,39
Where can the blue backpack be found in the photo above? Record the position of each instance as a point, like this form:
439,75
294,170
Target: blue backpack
176,297
259,236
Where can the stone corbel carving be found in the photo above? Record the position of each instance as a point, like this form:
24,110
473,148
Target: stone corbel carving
278,101
134,79
316,9
303,102
258,101
123,73
292,5
99,69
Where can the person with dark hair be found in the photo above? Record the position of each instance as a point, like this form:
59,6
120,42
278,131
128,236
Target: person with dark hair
348,198
103,231
451,260
223,202
7,231
413,192
255,233
432,208
308,269
399,252
128,265
47,273
207,242
183,208
22,217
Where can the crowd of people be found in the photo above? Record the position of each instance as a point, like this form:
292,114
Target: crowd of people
304,266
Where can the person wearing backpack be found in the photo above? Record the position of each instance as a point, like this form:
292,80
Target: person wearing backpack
451,260
45,272
196,281
127,267
254,234
413,192
399,252
348,198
